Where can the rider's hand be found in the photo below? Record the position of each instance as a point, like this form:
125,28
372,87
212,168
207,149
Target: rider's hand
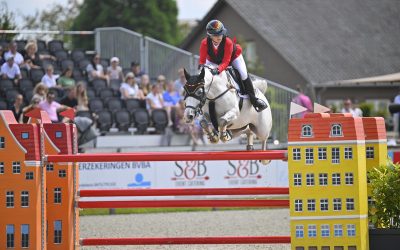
215,71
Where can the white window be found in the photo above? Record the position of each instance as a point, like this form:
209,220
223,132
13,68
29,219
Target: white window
309,155
312,231
323,179
24,235
349,178
297,179
10,231
306,131
57,195
250,52
325,230
25,135
351,230
338,230
62,173
348,153
336,130
336,179
311,204
299,231
10,199
321,153
337,204
296,154
2,142
349,203
29,176
310,179
16,166
57,231
335,155
1,167
370,153
371,201
49,167
24,199
324,204
298,205
59,134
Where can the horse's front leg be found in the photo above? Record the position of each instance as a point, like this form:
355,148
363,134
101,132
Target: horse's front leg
211,133
224,121
250,140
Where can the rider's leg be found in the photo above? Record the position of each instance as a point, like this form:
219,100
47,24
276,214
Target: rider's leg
240,65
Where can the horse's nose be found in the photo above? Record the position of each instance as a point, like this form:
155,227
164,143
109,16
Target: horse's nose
190,117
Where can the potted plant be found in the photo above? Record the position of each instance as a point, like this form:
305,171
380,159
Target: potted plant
384,214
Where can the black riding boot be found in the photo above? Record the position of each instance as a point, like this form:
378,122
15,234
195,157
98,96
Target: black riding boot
258,104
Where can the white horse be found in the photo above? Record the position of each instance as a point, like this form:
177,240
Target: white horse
205,88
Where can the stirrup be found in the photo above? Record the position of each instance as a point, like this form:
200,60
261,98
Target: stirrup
261,103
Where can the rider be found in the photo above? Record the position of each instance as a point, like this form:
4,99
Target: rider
217,48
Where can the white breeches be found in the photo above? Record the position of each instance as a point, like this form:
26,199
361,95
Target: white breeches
238,64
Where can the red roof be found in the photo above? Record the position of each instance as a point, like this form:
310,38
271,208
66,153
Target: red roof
63,143
374,128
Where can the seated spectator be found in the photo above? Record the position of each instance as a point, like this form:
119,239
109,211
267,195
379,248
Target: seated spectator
144,84
154,98
17,107
33,104
49,79
31,57
40,92
66,81
171,96
70,99
51,106
162,81
129,89
12,50
181,81
136,70
95,70
114,71
348,108
2,60
81,96
10,70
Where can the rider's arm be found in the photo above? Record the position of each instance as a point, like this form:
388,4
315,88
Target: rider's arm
203,51
227,55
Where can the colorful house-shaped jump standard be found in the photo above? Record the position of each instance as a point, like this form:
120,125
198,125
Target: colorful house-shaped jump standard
327,181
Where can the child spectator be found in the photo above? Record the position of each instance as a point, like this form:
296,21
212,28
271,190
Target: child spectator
40,92
33,104
114,71
154,98
66,81
81,96
129,89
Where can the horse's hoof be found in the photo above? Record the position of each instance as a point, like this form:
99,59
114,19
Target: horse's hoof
213,137
250,147
265,162
226,136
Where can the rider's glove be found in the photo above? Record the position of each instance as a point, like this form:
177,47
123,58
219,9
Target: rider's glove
215,71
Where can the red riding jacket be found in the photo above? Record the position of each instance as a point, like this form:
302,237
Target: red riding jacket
223,55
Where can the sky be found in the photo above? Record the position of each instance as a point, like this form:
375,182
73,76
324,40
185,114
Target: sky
188,9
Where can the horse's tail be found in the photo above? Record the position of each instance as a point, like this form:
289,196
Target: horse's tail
261,84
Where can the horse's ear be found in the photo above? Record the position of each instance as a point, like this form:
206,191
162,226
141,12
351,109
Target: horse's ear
187,76
201,76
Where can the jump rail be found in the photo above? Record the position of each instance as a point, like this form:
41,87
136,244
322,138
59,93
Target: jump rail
172,156
186,240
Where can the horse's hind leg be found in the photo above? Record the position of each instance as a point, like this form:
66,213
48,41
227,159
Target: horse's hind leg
250,140
223,124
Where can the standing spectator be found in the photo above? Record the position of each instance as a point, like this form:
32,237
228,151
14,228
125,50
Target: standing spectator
95,70
137,71
129,89
70,99
40,92
33,104
51,106
145,84
49,79
18,58
17,107
348,108
181,81
10,70
82,98
114,71
66,81
304,101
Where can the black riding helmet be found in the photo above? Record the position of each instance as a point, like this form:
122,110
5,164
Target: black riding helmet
215,28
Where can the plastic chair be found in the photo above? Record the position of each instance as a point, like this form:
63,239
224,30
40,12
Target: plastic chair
114,105
122,120
104,120
96,105
36,75
159,118
141,118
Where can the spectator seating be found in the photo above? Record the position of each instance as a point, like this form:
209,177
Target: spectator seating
24,73
55,45
104,120
141,120
11,94
41,45
159,119
114,104
3,105
6,84
65,63
122,120
133,104
106,93
84,113
77,55
61,55
96,105
25,84
36,75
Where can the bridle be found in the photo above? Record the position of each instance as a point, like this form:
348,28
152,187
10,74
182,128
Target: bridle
191,90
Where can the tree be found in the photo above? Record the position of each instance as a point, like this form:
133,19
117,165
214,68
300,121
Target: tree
7,21
154,18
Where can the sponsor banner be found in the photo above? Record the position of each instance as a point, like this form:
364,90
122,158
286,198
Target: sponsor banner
180,174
